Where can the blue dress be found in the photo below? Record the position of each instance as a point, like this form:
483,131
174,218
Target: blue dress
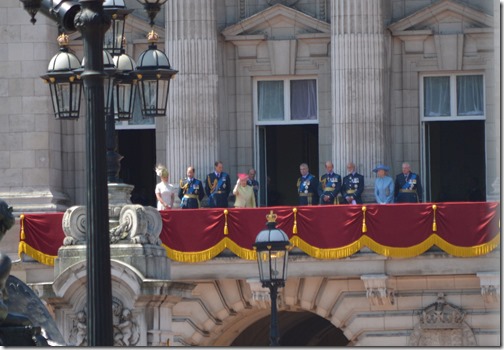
384,190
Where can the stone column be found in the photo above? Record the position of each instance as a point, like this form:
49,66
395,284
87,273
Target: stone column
359,85
31,140
190,132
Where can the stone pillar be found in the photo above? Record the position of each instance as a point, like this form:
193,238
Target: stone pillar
190,132
31,140
359,44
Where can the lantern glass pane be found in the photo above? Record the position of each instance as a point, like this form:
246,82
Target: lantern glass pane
66,99
154,95
123,97
277,264
264,266
114,37
108,89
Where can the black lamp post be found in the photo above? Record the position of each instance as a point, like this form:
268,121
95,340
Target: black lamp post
272,246
64,77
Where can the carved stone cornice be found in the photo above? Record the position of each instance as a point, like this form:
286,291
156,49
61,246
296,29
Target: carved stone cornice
490,286
376,290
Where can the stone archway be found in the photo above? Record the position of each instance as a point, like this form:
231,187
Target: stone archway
296,329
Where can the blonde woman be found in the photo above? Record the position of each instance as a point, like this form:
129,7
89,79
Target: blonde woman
165,192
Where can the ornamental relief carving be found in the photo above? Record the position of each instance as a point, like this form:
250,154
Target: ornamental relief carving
136,224
442,324
126,330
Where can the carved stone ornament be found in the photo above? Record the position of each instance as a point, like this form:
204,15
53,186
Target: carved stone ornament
136,224
490,286
376,290
126,330
261,295
442,324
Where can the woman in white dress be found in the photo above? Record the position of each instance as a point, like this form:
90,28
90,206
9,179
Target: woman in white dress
165,192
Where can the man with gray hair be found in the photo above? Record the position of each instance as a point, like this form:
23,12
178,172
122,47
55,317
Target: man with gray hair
408,188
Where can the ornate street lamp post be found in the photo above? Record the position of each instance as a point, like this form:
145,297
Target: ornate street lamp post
272,246
89,17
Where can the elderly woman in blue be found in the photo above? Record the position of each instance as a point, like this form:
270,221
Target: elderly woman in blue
384,185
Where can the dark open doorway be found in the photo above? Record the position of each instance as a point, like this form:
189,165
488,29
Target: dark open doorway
138,147
455,161
281,150
296,329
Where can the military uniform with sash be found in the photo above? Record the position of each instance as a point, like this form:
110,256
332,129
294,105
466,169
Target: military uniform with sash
191,192
307,190
329,185
353,186
217,189
408,188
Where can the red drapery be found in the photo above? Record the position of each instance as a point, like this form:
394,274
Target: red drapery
324,232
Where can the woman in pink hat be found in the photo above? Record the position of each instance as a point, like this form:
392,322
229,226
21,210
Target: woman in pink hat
244,194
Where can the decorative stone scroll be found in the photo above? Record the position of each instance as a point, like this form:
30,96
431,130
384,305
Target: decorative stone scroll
137,224
376,290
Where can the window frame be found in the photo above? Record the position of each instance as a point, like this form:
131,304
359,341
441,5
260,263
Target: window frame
287,115
453,97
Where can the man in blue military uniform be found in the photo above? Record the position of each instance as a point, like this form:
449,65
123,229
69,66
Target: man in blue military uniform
353,185
329,185
217,187
408,188
307,186
254,183
191,191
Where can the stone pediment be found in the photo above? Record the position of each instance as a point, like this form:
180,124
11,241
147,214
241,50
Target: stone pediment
277,22
443,17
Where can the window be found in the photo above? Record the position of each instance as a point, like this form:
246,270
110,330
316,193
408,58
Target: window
286,100
137,121
453,97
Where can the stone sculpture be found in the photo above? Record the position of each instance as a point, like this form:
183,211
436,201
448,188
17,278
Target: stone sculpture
15,329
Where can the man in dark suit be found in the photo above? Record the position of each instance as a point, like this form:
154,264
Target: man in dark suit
408,188
217,187
353,186
191,191
329,185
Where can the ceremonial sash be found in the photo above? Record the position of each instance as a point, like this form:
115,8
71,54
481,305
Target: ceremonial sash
220,181
406,185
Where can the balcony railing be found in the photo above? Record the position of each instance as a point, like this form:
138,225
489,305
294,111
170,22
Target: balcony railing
323,232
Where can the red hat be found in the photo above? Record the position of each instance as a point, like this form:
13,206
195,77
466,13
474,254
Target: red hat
243,176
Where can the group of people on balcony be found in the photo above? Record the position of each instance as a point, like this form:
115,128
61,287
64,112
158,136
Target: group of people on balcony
332,189
217,188
329,189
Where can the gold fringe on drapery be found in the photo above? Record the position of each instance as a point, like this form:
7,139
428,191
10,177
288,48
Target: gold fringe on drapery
247,254
326,253
203,255
477,250
35,254
397,252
